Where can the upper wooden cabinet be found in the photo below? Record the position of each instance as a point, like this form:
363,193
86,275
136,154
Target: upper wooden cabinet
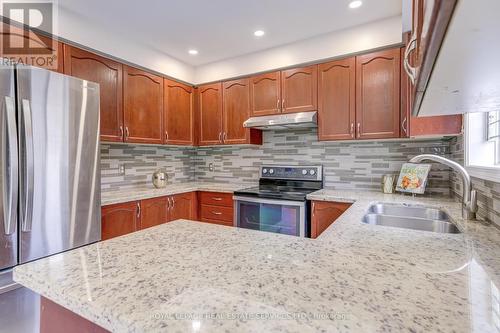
119,219
299,89
265,94
109,75
179,113
378,94
142,106
153,212
40,45
236,109
210,114
337,100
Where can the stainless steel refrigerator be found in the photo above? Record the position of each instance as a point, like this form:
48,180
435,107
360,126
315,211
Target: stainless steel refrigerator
49,168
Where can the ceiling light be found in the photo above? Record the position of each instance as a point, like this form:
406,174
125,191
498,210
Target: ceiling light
193,52
355,4
259,33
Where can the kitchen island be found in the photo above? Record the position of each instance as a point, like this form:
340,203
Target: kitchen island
191,276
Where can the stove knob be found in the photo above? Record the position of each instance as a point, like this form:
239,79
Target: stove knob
264,171
304,172
312,172
271,171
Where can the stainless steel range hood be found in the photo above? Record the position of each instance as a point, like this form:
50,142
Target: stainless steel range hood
284,121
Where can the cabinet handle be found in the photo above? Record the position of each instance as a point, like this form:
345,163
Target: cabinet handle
166,135
359,130
282,104
216,213
411,71
217,199
224,137
173,203
278,104
121,132
126,133
220,137
169,203
352,130
403,125
138,210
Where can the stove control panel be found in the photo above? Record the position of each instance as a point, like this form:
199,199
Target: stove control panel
292,172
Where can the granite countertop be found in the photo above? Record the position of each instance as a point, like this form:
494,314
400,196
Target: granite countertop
190,276
146,192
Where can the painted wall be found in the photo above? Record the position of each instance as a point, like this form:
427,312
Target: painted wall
353,40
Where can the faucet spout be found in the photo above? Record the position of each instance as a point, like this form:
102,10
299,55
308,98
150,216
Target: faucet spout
469,198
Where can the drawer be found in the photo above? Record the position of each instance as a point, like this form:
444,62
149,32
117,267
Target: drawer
226,223
219,213
216,199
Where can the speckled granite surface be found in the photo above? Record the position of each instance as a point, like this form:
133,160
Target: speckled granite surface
146,192
188,276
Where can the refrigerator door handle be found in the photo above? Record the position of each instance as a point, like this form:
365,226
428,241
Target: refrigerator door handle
27,192
11,178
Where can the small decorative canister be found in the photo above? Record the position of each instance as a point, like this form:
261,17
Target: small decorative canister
388,184
160,178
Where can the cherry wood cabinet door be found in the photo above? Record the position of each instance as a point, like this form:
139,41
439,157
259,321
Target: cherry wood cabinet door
153,212
119,219
109,75
299,89
378,94
265,94
324,214
179,113
18,37
142,106
337,100
210,117
184,206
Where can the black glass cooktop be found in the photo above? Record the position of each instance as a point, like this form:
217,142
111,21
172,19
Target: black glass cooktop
291,190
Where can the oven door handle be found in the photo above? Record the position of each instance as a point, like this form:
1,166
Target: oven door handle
270,201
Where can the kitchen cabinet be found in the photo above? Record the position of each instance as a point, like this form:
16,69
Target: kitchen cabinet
179,113
236,109
378,94
142,106
119,219
299,89
53,60
325,213
210,114
436,126
337,100
109,74
265,94
216,208
183,206
153,212
287,91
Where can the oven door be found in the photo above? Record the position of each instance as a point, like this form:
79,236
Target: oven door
279,216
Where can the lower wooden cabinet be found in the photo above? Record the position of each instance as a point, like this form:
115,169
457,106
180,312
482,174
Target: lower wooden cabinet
216,208
183,206
119,219
153,212
324,213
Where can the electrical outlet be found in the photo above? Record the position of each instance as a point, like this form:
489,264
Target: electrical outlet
121,169
211,167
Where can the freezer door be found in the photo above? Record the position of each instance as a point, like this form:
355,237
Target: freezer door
59,202
8,170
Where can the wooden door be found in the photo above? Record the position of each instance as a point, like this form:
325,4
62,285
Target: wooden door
142,106
184,206
378,94
337,100
265,94
324,214
109,75
236,104
179,113
210,118
119,219
299,89
153,212
46,52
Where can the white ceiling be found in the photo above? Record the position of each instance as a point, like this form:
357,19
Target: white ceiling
223,29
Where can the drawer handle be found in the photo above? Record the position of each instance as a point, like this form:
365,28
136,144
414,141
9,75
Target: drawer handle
216,213
217,199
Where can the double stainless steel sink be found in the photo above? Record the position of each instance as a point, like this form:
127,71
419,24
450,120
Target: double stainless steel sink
410,217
